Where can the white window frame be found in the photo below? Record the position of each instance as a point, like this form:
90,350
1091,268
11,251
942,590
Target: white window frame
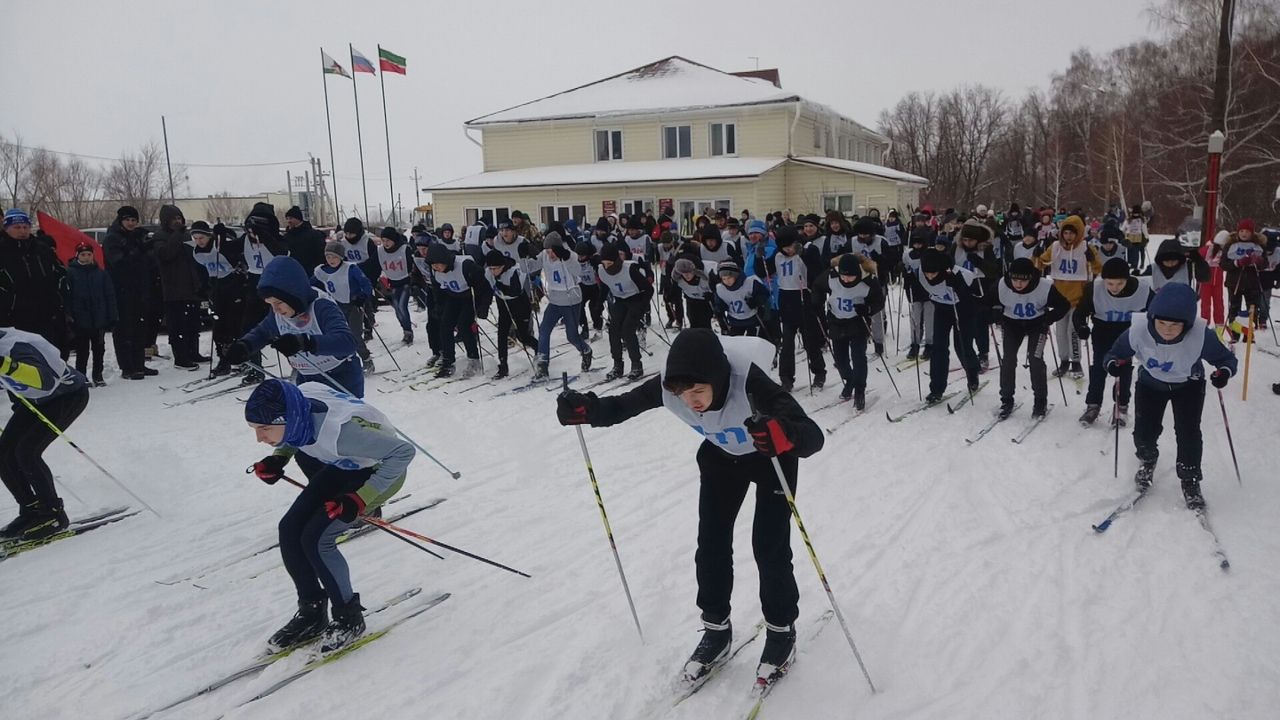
628,207
724,139
832,201
496,214
686,223
612,135
556,213
677,128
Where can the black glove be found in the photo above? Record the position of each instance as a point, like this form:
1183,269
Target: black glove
1082,332
293,343
1117,367
1220,377
995,315
575,408
236,353
270,468
769,436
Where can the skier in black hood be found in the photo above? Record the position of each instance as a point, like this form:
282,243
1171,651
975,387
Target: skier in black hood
711,383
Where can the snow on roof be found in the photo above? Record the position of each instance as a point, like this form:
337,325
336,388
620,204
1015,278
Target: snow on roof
606,173
667,85
864,169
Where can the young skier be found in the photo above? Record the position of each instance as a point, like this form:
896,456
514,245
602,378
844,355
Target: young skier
868,244
672,298
307,328
348,286
513,307
973,252
354,462
1030,247
395,261
422,276
1135,234
1243,260
92,307
694,284
30,367
1168,342
796,311
1028,306
629,291
461,292
591,314
953,292
921,314
1110,304
854,297
262,244
1072,265
706,384
361,251
225,289
737,299
560,282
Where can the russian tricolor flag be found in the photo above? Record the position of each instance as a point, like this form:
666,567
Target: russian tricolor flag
360,63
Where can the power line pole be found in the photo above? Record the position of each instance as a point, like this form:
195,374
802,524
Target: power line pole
164,128
417,192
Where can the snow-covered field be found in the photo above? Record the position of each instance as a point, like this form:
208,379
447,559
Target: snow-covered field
969,575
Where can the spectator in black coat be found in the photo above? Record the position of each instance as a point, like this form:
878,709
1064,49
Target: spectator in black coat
133,272
32,282
306,244
181,281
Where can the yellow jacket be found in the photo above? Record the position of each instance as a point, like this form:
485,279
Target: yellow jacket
1072,290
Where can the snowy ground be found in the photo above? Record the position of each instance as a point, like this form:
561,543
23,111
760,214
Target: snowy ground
969,575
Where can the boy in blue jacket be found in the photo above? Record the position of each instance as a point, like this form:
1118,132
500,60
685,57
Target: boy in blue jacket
92,309
1168,342
308,329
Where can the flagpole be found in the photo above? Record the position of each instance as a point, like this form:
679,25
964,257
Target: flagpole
324,78
364,188
382,80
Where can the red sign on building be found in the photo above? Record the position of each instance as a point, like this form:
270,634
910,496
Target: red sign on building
609,207
665,204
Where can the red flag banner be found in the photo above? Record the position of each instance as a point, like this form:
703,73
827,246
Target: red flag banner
66,238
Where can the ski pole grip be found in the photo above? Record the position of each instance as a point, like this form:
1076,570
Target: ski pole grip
564,379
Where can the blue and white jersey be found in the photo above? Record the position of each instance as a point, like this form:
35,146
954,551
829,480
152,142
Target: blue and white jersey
215,264
357,252
736,299
843,302
341,409
394,267
1025,306
305,323
1171,363
338,282
942,293
620,284
792,273
1109,308
256,256
700,289
454,279
725,428
1240,250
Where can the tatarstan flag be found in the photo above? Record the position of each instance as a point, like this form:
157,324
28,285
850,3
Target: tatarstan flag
390,62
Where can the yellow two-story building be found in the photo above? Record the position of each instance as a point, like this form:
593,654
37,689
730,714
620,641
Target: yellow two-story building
676,134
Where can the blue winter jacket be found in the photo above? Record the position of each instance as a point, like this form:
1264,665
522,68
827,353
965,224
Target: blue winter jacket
287,275
93,297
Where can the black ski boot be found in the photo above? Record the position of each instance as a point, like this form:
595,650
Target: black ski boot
1190,475
445,369
926,353
307,624
846,391
1142,479
586,360
984,362
27,515
637,371
859,399
615,373
819,380
1006,409
879,347
407,339
541,370
347,625
778,654
788,384
1039,408
222,368
1077,372
933,398
1121,416
913,353
502,372
1063,368
712,650
434,360
49,521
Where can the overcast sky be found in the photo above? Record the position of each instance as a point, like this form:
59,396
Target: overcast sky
239,81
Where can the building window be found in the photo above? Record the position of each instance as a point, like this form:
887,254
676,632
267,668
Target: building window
636,207
563,213
491,215
724,139
677,141
843,203
608,145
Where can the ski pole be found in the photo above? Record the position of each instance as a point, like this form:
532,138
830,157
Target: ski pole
58,431
1115,423
339,386
1227,424
1057,366
384,347
1248,355
884,362
604,517
919,387
995,344
363,518
813,555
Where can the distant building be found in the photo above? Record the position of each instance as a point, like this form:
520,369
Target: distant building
675,133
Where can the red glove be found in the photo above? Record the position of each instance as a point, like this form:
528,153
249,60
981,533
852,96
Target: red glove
385,282
345,508
270,468
769,436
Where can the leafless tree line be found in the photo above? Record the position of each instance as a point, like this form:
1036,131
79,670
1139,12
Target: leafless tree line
81,193
1112,130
